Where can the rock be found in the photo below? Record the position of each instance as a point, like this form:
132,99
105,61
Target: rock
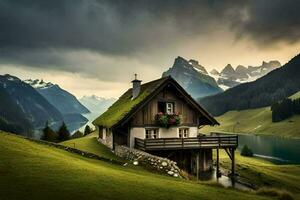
175,175
164,164
136,162
170,173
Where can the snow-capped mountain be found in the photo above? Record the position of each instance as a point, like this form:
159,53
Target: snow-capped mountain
193,77
26,102
200,83
96,104
230,77
64,101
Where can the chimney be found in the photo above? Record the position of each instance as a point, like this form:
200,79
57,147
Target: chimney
136,87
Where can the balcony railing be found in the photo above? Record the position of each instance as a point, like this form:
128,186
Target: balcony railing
211,142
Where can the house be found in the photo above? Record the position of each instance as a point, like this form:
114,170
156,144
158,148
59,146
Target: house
160,117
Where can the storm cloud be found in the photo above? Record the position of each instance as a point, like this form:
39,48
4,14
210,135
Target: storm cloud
69,34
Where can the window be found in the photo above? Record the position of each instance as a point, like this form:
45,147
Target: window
169,108
166,107
183,132
151,133
161,107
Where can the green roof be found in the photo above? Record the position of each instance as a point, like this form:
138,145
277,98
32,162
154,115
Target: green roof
125,104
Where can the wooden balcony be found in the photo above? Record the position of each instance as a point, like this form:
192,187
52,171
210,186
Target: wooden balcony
203,142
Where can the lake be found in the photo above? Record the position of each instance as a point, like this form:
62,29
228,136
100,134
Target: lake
277,149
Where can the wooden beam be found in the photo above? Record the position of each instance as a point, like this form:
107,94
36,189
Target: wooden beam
218,174
228,153
198,165
233,165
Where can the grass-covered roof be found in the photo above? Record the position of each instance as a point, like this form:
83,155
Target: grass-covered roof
125,104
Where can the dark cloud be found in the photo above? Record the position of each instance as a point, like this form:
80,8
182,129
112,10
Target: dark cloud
30,29
113,27
270,21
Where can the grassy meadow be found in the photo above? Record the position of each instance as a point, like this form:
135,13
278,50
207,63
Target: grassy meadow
256,121
35,171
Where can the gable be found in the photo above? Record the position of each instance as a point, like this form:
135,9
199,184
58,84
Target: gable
126,107
146,115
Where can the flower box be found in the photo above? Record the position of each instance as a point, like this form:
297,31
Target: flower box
167,120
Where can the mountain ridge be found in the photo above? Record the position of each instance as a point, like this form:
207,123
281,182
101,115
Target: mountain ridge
64,101
276,85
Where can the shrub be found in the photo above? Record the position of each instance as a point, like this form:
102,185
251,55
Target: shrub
246,151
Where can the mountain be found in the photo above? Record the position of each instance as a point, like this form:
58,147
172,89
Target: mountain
64,101
33,106
12,117
193,78
230,77
276,85
96,104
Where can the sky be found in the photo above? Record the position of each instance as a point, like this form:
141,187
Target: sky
96,46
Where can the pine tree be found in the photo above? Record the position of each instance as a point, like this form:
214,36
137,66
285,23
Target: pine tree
48,134
63,133
87,130
77,134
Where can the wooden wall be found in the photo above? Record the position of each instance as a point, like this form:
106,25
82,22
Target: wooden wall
146,116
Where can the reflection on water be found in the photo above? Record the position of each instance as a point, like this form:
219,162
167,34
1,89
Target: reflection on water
223,180
276,149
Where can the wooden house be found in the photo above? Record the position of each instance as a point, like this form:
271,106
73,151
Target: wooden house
160,117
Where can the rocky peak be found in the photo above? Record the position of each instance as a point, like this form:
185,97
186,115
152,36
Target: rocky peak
228,70
214,72
241,69
197,66
272,64
37,83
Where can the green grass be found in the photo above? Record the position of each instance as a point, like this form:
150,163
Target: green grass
35,171
265,174
295,96
256,121
125,104
90,144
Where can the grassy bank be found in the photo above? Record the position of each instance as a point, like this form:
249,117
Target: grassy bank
35,171
266,174
90,144
256,121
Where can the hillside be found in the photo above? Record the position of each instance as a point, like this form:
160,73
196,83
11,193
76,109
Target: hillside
12,118
274,86
256,121
35,107
34,171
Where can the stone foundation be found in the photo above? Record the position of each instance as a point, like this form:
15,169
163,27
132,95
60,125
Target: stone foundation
142,158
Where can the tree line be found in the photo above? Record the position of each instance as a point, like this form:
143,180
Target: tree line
63,133
284,109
